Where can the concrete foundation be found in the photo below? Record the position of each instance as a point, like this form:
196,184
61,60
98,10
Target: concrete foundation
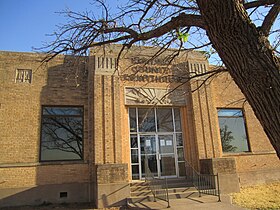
45,194
226,169
112,185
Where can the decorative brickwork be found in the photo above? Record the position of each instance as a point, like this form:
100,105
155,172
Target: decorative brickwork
149,96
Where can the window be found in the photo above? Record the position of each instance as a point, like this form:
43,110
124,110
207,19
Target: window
233,131
62,133
23,76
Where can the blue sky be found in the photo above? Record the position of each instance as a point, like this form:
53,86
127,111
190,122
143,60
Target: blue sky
25,23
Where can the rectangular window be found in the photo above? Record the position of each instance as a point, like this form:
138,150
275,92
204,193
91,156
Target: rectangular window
23,76
61,133
233,131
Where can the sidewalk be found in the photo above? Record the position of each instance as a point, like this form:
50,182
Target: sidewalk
206,202
193,202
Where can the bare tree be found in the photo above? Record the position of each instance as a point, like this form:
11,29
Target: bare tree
62,133
237,29
227,138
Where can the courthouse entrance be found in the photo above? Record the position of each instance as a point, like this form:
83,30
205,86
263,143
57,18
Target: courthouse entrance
156,135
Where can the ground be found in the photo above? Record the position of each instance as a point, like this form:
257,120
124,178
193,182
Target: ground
72,206
261,197
265,196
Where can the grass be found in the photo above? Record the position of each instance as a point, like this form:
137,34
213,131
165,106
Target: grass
261,197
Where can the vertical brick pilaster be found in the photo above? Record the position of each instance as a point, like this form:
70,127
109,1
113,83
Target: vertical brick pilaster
98,120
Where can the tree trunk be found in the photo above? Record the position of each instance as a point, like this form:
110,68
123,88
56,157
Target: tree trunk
249,58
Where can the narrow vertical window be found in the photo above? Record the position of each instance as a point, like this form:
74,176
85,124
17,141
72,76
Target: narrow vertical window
233,131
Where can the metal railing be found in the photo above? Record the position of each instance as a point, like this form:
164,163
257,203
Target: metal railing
204,183
158,187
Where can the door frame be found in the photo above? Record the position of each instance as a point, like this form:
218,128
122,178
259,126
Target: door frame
157,154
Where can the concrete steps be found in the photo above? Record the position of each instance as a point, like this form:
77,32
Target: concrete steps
177,189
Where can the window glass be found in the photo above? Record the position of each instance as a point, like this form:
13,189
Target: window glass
146,120
182,169
134,156
62,111
180,152
132,119
164,120
179,139
177,119
148,144
135,172
232,131
165,144
133,141
230,113
62,133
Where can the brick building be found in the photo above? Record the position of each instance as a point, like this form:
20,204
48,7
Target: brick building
75,129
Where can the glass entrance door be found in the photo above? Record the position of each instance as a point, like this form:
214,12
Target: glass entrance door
158,152
166,156
156,138
148,150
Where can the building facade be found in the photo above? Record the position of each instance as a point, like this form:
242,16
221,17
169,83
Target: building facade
79,129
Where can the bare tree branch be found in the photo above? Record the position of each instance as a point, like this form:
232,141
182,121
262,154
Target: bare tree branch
270,18
183,20
259,3
92,33
149,6
210,75
206,76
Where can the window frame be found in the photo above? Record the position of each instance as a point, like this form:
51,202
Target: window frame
245,127
41,133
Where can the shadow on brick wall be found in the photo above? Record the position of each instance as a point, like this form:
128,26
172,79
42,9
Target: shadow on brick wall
53,181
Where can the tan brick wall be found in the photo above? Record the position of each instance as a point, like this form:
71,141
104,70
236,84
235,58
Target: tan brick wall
262,158
61,174
205,120
18,177
54,83
228,95
26,176
20,109
111,173
223,93
106,120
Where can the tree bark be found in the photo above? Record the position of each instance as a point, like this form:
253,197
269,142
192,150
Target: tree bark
249,58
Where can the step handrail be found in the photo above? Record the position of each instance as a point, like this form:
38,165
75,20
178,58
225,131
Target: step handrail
156,184
204,183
